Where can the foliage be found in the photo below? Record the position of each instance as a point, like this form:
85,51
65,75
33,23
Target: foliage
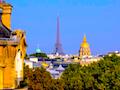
40,79
26,57
102,75
43,55
97,76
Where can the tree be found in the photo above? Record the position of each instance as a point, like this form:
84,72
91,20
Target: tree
40,79
104,74
43,55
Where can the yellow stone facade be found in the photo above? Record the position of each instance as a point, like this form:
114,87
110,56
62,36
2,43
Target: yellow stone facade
9,48
84,48
6,14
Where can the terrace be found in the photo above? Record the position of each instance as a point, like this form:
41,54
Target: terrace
9,41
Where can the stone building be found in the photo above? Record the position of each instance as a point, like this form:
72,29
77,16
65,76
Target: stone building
12,50
84,48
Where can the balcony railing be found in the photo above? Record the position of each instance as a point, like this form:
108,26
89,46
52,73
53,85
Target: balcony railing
9,41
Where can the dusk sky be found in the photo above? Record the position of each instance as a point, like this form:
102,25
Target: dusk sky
98,19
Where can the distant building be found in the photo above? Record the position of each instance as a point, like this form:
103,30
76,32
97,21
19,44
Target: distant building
60,68
55,56
29,63
33,59
55,72
84,48
89,60
115,52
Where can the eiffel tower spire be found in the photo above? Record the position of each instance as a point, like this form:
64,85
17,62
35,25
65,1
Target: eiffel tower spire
58,45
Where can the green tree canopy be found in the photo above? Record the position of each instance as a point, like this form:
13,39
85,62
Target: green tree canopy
43,55
103,75
40,79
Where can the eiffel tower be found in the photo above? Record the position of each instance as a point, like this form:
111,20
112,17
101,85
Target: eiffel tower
58,46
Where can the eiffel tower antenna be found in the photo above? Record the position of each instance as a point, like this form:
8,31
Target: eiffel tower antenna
58,45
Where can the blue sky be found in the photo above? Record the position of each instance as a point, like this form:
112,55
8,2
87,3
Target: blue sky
98,19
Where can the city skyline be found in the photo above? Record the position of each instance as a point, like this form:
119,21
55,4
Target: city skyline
99,20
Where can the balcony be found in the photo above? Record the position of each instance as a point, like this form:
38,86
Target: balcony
9,41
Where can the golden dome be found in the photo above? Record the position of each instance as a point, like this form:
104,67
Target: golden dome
84,48
84,44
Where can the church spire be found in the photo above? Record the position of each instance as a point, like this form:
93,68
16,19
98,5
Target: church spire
84,38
